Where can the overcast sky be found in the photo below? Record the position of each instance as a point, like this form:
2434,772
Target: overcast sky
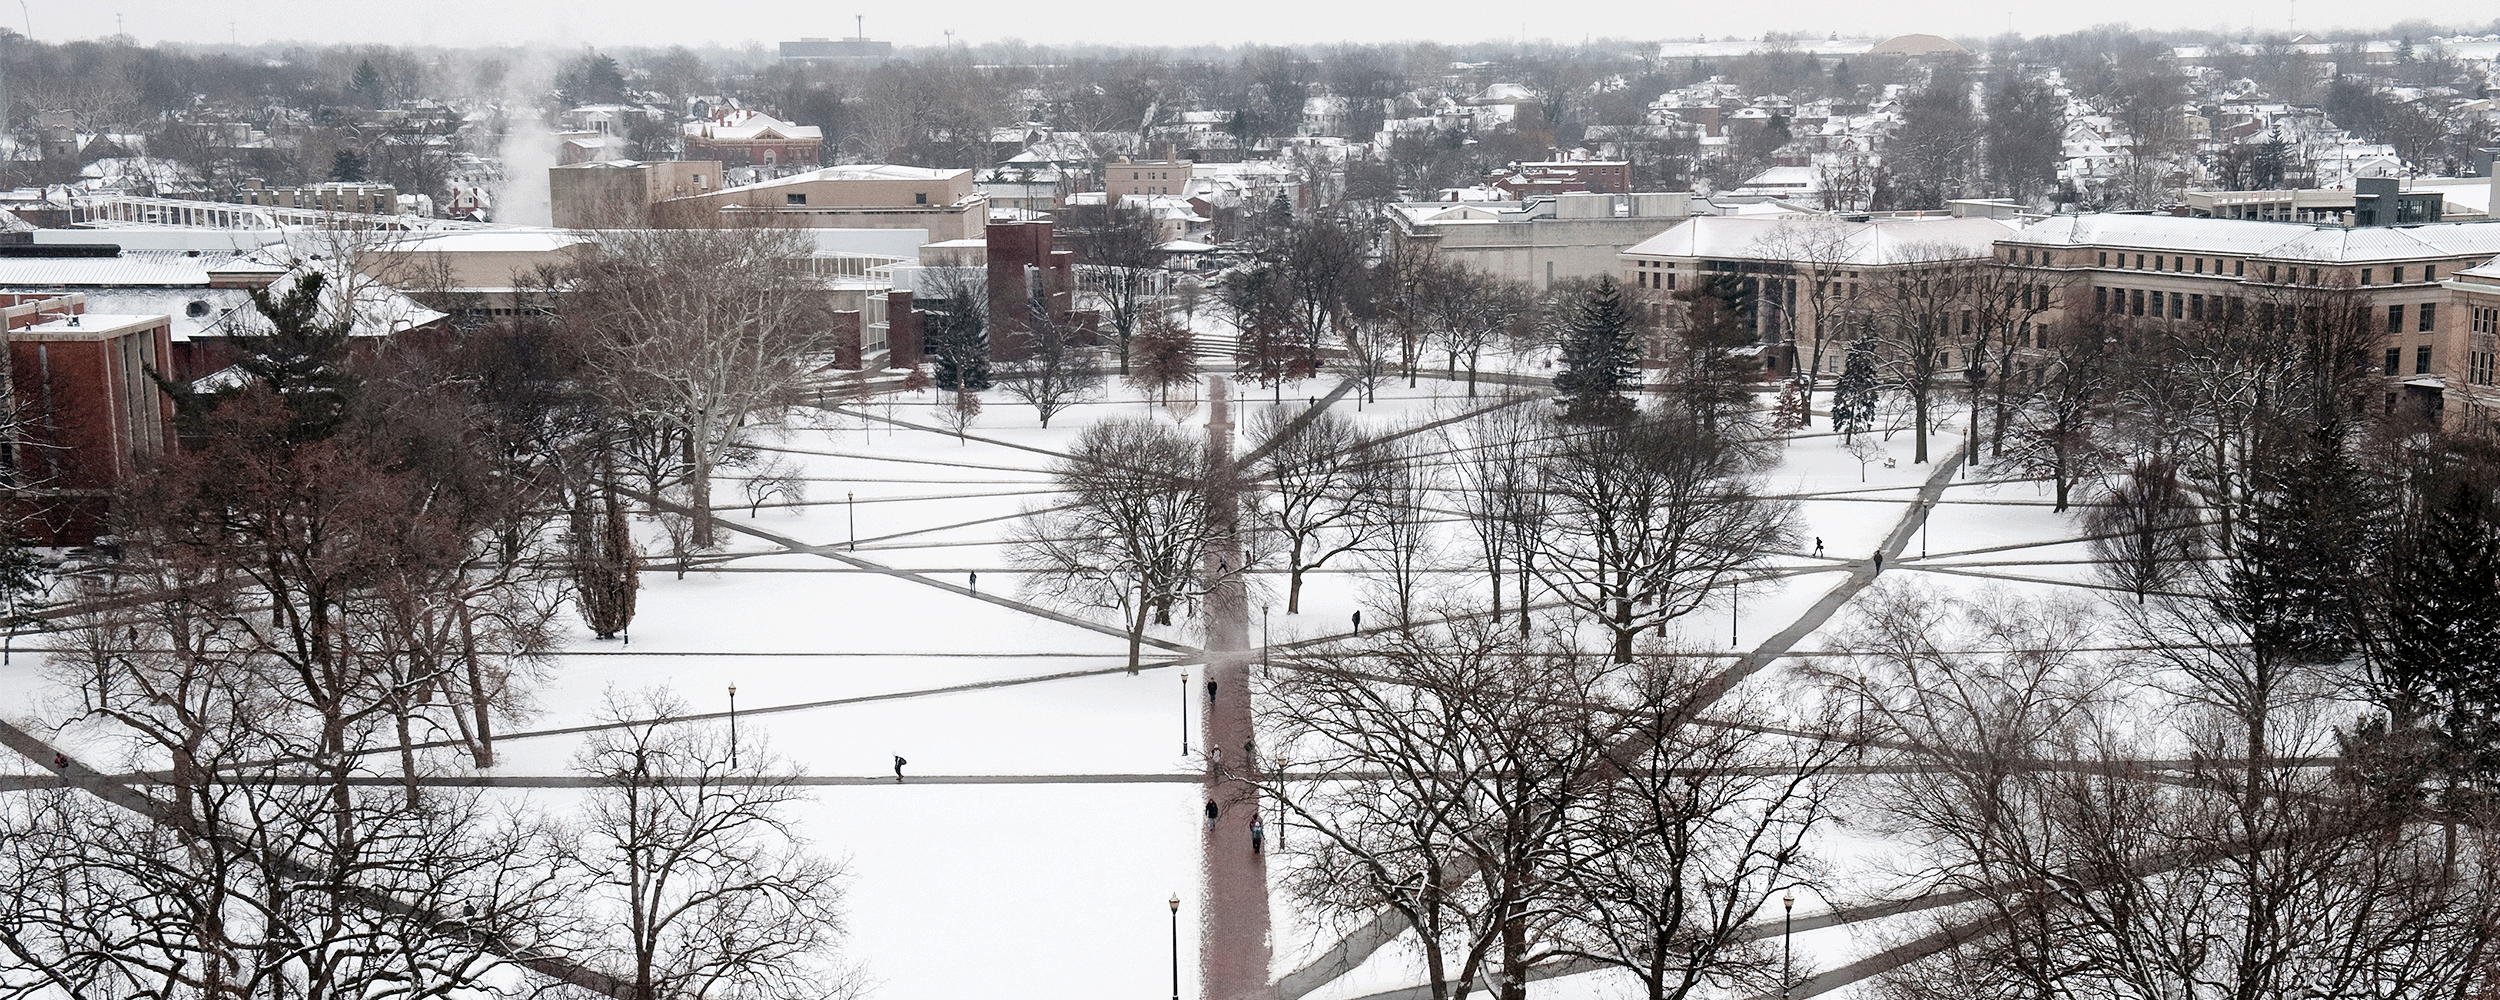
660,22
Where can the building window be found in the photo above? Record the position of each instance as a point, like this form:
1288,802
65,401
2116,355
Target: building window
794,199
2135,301
2100,299
2397,278
920,198
2104,258
2313,276
2422,360
2269,272
2430,317
2139,262
2365,276
2156,303
2200,265
2395,357
2196,306
2430,272
2395,318
2157,262
2239,269
2484,319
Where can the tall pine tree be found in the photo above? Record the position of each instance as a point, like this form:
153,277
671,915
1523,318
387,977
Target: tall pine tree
1601,360
1853,398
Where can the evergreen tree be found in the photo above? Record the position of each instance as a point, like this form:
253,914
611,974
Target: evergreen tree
1600,360
958,341
347,165
366,86
607,571
2433,658
302,359
1853,398
2295,574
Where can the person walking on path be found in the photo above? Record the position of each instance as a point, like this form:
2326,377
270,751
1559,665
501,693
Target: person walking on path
1358,623
1879,560
1258,836
1210,815
898,768
1818,546
1210,690
975,581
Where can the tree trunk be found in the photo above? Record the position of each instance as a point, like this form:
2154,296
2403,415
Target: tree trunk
1919,433
482,746
699,481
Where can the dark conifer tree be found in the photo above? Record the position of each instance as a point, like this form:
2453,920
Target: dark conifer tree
1853,398
1600,360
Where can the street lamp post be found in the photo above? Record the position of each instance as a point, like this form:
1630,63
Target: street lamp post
850,505
1265,634
1925,515
1176,946
1788,922
1184,713
733,726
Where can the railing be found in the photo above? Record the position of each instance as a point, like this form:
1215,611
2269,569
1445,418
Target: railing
118,210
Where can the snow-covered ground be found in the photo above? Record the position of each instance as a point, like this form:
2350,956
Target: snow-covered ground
1057,888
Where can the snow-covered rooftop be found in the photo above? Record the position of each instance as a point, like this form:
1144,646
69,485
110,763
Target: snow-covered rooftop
2248,238
1870,243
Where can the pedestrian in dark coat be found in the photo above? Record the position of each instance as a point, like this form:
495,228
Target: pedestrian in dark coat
1210,814
898,768
1258,836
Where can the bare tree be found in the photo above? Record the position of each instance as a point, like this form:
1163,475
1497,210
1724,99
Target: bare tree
1647,519
1398,506
1446,758
1469,310
1130,532
1121,254
1820,253
1055,372
1676,858
699,330
1498,491
2147,530
957,413
702,884
1923,309
1315,490
1166,357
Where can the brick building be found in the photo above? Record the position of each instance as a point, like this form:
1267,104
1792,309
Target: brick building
89,415
741,138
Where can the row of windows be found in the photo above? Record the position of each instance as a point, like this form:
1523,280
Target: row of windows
2134,302
2485,319
2478,366
2421,360
2196,265
2430,272
2429,318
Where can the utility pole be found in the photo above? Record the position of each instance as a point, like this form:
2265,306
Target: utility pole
862,32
